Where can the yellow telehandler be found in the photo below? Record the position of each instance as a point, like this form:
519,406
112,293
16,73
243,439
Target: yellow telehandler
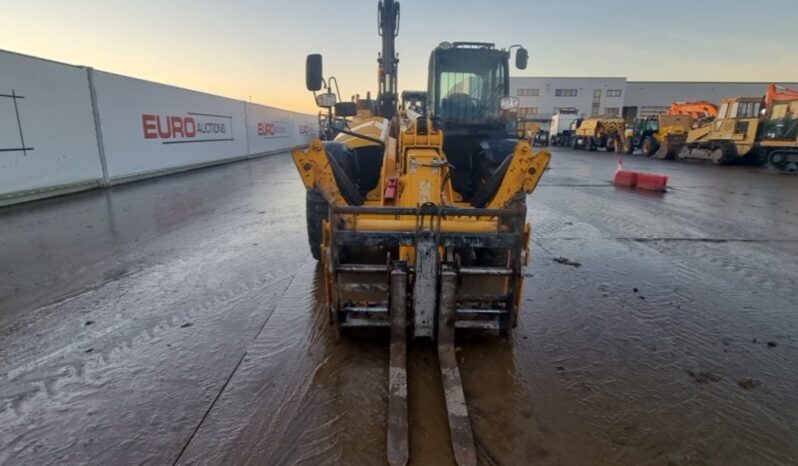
658,136
420,223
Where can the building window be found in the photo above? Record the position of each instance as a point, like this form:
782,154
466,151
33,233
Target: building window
612,111
527,112
596,102
647,111
614,92
565,93
528,92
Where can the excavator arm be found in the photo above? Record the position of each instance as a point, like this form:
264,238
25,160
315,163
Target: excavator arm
696,109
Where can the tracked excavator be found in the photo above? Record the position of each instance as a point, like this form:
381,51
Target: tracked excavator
778,141
420,223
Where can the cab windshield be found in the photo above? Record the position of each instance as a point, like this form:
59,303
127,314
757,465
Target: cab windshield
471,85
782,123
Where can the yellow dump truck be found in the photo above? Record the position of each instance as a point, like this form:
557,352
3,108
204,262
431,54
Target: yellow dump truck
600,132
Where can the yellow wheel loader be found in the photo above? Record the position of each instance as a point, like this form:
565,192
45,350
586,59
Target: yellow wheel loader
731,138
420,223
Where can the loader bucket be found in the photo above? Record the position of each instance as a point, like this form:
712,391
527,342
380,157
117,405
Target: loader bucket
671,145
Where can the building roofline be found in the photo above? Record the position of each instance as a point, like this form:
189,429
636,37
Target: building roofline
567,77
628,81
766,83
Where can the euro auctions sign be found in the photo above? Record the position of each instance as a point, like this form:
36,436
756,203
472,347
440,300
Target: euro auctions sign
191,127
273,129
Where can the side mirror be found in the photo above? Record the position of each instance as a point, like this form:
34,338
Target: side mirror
345,109
521,58
313,74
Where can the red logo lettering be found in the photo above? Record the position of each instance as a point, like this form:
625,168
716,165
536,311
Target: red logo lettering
266,129
148,122
190,127
177,127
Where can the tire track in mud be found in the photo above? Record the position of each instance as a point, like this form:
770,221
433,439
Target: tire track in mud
53,382
629,355
752,264
299,397
139,323
219,302
589,212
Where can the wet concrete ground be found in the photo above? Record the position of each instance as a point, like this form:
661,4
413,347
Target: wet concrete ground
179,321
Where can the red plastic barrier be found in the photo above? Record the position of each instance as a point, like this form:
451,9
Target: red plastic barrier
652,182
626,178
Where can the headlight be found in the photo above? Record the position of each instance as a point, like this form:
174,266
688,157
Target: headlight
326,100
509,103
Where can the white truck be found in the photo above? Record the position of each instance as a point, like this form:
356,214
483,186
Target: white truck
560,132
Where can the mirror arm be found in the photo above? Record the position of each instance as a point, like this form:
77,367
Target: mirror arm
337,91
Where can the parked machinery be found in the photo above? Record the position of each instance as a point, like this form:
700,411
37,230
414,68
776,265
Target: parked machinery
731,137
419,223
541,139
699,110
599,132
778,142
560,132
528,130
659,136
415,101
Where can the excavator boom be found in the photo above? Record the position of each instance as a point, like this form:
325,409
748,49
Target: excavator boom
696,109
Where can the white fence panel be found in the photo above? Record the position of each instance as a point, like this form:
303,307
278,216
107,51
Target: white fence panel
307,128
273,130
269,129
150,128
48,142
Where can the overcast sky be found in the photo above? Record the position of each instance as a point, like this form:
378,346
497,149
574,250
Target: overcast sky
256,49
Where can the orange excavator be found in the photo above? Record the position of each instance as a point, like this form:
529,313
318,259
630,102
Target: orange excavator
697,110
779,94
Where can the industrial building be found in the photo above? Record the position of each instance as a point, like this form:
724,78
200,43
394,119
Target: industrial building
542,97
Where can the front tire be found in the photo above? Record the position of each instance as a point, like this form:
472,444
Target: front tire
628,146
649,146
316,211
